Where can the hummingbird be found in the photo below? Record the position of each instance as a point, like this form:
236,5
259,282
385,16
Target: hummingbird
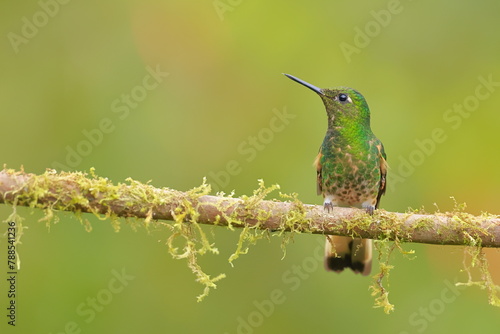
351,169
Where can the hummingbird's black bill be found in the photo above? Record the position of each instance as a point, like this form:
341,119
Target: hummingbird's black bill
302,82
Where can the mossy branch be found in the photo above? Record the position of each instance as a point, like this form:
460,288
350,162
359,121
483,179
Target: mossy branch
79,192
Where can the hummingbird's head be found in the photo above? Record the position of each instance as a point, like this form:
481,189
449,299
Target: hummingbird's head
343,104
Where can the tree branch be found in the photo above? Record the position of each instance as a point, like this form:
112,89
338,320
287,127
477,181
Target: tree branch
79,192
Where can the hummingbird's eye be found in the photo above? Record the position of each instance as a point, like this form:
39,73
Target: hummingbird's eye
343,98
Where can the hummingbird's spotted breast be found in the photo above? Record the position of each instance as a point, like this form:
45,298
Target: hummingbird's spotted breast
350,177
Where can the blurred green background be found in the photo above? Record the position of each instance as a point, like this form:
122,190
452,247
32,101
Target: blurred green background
76,77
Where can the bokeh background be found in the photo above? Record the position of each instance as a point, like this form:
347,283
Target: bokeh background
73,69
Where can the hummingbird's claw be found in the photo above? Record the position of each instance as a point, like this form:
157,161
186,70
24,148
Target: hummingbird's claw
370,209
328,206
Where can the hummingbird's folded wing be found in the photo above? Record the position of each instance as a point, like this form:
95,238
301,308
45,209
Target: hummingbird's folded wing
319,181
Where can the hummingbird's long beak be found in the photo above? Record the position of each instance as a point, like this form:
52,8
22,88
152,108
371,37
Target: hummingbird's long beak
302,82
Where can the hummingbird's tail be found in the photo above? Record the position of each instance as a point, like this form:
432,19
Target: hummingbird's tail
346,252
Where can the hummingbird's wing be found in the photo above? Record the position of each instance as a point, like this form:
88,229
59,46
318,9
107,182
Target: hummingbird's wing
317,164
383,172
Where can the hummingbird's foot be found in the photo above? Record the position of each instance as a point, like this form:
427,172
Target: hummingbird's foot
369,209
328,206
329,203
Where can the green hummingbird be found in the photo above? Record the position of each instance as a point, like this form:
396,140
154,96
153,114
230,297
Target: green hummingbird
351,171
